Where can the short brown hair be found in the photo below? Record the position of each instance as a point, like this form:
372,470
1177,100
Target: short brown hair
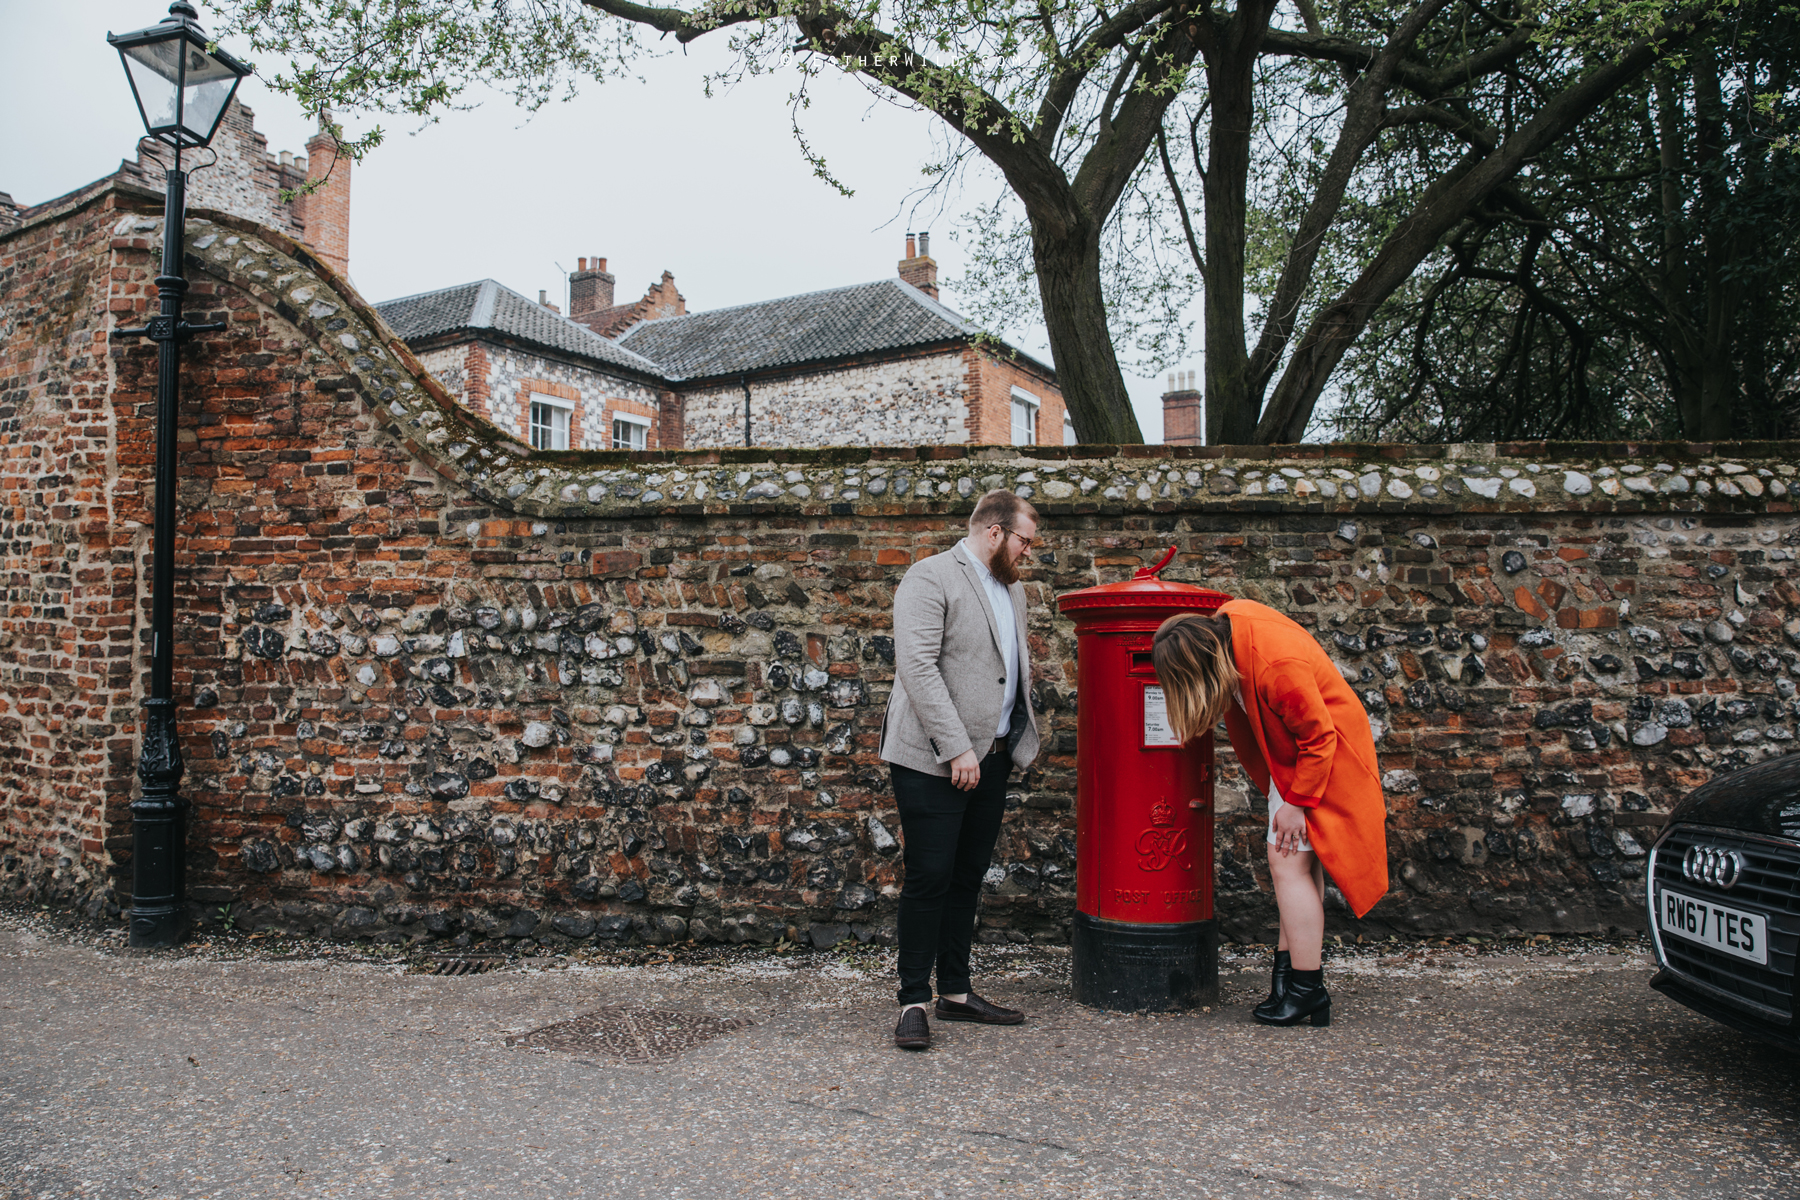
1000,507
1192,653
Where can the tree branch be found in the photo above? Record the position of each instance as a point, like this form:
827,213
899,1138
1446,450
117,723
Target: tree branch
1443,204
1187,224
1364,108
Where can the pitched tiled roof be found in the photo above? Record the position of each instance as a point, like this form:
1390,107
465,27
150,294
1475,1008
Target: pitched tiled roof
838,323
488,305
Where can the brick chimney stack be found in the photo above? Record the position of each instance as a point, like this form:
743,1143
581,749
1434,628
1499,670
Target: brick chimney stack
325,214
590,288
918,267
1183,423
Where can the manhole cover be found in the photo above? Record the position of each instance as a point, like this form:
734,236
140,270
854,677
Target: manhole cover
458,964
633,1035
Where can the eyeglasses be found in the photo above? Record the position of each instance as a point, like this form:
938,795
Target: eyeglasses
1030,543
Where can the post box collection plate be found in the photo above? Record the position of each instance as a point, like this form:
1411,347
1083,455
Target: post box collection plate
1145,937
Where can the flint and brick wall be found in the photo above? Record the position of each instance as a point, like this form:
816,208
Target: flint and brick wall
493,381
438,685
912,401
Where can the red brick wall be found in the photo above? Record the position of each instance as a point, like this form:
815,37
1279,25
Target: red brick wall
476,393
325,214
71,538
990,383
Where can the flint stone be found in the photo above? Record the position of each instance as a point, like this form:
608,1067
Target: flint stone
260,857
574,925
538,734
855,898
659,929
447,785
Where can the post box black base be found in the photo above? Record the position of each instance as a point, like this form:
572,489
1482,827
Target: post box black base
1145,968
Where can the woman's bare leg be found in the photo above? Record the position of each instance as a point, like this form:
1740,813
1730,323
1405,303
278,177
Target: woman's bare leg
1300,896
1318,877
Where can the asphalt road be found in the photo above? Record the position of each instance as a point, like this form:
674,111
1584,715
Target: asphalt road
232,1073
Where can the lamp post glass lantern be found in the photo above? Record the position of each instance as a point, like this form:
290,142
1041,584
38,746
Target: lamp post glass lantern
182,88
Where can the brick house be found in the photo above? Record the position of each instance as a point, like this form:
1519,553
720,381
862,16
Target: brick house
531,371
880,363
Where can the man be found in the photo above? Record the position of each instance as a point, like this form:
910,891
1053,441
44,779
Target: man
958,721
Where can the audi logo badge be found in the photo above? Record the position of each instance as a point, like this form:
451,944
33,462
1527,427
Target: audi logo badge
1711,865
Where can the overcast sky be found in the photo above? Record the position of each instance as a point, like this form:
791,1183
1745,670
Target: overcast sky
651,176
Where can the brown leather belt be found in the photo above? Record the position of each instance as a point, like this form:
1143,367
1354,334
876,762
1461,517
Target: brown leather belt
999,744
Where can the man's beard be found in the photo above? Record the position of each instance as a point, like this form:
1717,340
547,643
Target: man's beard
1005,569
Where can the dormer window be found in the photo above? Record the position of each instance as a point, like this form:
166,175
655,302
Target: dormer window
550,421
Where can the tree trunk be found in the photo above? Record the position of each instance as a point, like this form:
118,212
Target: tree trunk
1231,407
1067,255
1718,367
1681,353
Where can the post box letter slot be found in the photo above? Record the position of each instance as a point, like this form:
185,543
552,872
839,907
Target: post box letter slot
1142,663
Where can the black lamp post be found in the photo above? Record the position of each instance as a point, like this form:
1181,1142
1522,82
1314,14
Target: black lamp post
182,88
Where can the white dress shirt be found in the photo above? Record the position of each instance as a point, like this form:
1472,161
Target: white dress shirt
1000,600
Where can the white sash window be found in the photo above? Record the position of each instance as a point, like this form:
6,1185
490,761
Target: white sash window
550,421
1024,418
630,431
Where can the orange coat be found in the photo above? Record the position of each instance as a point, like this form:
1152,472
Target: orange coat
1308,729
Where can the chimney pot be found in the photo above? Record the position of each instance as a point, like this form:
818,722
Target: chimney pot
581,264
590,292
543,295
917,268
287,158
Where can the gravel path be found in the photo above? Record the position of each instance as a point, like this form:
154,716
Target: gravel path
236,1070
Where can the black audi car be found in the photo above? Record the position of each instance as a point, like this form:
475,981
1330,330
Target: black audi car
1724,899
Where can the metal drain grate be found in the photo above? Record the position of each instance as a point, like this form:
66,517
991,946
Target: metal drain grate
453,964
633,1035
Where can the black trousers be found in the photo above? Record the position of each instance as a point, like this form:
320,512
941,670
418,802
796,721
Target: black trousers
950,836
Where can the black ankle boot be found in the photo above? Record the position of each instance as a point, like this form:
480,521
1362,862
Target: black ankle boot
1278,981
1305,999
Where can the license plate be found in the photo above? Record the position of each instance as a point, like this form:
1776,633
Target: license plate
1728,930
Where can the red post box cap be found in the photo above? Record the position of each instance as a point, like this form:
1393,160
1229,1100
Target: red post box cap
1144,590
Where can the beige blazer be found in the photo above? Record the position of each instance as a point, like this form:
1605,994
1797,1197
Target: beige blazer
949,673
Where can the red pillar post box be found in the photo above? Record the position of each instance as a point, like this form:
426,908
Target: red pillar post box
1144,936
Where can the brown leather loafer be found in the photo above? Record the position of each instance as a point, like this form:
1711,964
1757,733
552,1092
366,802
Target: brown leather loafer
913,1032
977,1010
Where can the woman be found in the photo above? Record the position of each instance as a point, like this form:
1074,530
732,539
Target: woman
1304,738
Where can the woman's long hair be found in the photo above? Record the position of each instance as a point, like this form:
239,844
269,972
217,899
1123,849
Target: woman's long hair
1194,664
